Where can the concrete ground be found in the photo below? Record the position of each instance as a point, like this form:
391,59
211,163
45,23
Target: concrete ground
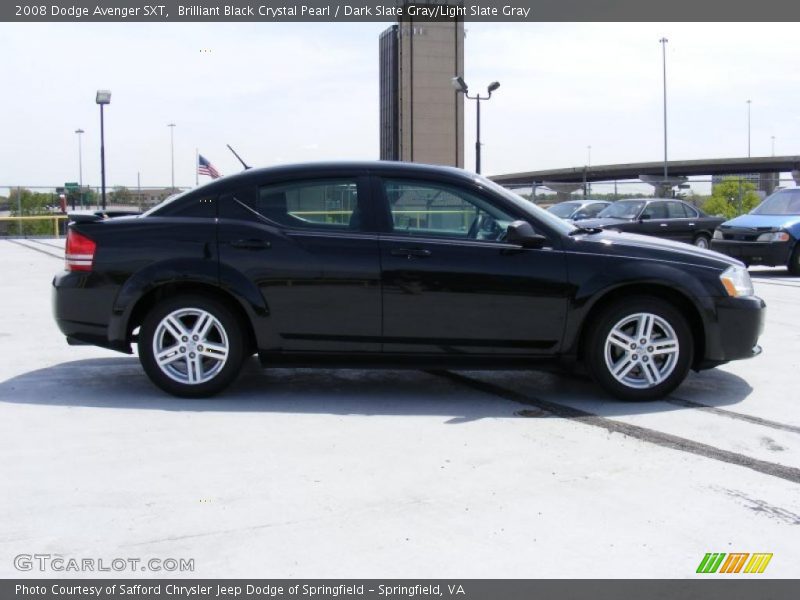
322,473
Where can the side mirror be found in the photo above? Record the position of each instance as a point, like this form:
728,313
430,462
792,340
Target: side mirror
522,234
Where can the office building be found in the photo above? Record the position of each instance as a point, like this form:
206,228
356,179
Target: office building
421,114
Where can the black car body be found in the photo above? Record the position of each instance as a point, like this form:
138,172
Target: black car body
578,210
660,217
394,265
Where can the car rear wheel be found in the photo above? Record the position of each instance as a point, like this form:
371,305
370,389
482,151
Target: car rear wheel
794,261
639,349
191,346
701,241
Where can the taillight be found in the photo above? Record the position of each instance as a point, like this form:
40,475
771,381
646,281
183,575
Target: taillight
79,252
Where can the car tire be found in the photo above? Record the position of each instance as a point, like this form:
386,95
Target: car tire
794,260
631,370
702,241
191,346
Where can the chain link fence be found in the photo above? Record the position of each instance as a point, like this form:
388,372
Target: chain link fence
40,210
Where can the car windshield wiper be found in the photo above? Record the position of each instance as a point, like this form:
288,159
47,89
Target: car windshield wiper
578,229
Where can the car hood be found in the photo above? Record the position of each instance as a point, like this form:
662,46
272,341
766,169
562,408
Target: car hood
759,221
645,246
602,222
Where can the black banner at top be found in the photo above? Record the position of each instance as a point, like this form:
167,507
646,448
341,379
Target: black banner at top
393,10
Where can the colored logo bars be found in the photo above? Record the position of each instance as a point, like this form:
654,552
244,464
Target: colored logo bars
716,562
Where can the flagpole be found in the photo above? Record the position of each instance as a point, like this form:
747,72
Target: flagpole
196,167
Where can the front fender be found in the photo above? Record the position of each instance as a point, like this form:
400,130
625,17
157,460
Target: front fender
593,284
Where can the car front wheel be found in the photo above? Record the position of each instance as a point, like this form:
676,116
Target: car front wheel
191,346
640,349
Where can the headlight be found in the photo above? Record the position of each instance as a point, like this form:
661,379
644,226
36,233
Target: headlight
736,281
718,235
774,236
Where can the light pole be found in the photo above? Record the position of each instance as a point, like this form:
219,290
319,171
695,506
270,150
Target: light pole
172,150
664,41
773,145
80,132
587,187
103,97
458,83
749,102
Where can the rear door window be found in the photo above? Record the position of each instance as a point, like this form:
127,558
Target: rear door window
656,210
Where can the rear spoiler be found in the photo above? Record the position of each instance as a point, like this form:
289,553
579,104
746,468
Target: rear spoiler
100,215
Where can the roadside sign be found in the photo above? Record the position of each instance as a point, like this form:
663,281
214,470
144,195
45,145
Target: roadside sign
72,185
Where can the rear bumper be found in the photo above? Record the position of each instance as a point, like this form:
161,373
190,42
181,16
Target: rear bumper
734,335
82,304
772,254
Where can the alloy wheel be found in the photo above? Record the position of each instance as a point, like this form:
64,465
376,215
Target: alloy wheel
641,350
190,346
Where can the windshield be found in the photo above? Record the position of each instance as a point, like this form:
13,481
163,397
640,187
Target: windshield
565,209
552,221
784,202
622,209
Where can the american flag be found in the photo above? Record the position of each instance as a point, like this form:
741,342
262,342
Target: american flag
206,168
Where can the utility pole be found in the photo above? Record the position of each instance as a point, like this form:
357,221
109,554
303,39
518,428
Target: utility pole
172,150
664,41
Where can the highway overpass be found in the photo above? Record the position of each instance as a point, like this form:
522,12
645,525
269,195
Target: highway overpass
653,171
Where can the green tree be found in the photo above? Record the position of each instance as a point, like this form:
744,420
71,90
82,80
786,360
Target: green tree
732,197
121,196
25,203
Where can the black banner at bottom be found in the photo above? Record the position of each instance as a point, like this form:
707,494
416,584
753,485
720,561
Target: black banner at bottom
397,589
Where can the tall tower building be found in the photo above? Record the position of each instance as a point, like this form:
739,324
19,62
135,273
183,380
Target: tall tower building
421,114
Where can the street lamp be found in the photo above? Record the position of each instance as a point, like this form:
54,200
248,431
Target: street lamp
172,150
461,86
80,132
749,102
773,145
664,41
103,97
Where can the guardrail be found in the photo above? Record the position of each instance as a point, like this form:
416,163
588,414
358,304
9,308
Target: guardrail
21,220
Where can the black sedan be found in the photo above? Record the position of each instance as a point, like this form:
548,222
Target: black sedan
381,264
660,217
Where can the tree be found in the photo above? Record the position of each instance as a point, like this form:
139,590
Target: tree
25,203
732,197
121,195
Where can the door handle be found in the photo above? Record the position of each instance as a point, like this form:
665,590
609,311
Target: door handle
664,224
691,224
410,252
251,244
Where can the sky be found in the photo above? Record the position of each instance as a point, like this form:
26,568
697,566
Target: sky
294,92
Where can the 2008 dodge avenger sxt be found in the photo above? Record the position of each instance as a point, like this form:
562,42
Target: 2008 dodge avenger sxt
394,265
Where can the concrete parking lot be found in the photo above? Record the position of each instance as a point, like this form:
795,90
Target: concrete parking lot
322,473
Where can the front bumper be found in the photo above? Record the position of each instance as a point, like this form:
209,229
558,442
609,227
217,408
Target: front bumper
771,254
734,334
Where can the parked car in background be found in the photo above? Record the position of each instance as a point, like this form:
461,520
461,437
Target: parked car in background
660,217
578,210
768,235
390,264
